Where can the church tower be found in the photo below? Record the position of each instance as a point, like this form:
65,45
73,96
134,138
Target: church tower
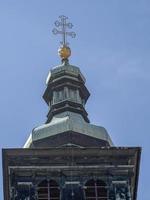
68,158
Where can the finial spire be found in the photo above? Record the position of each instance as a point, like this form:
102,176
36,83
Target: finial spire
64,25
64,51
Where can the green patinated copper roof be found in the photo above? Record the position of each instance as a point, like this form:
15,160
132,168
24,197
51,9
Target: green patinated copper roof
67,69
65,122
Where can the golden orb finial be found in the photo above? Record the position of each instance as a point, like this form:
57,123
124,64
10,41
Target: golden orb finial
64,52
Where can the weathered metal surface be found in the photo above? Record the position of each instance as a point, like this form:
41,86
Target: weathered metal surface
118,167
70,128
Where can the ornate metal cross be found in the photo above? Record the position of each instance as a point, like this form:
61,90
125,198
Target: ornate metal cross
64,25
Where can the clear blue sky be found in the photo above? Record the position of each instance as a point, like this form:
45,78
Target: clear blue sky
112,49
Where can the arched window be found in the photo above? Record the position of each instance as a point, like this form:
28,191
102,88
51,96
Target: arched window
48,190
95,190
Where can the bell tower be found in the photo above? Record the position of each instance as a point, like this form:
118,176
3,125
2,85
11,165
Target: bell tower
68,158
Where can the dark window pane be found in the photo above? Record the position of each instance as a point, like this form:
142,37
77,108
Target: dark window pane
95,189
48,190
